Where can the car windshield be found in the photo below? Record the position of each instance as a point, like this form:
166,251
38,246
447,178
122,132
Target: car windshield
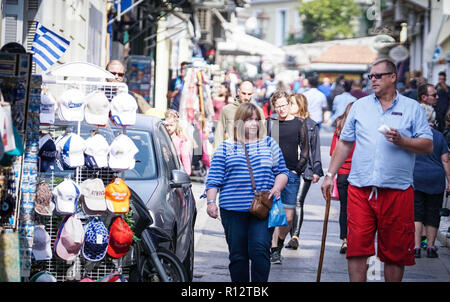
145,167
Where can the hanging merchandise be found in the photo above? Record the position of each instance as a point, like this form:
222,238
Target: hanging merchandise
47,153
120,238
97,109
43,204
95,240
121,153
93,197
9,256
47,108
123,109
66,196
71,149
42,249
69,239
117,196
71,105
96,153
43,277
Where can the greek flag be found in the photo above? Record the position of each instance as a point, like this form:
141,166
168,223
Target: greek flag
48,47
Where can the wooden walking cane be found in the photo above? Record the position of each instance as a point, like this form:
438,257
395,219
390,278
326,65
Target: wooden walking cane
324,236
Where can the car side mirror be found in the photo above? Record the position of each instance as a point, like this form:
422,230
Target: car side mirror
179,178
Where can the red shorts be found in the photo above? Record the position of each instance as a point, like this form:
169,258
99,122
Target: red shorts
391,213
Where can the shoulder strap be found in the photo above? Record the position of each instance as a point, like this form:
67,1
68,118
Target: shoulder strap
249,167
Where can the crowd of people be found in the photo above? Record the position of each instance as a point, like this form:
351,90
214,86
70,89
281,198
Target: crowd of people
271,132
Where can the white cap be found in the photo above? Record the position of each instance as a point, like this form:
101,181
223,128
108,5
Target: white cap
71,105
47,108
96,152
123,109
66,197
97,108
122,152
71,148
42,249
93,191
43,277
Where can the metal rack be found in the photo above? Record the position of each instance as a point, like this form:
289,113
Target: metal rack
80,267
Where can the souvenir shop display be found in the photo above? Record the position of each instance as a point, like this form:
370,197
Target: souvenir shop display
79,187
139,75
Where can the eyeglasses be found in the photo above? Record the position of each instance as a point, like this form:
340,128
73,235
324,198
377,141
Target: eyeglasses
433,95
378,75
119,74
281,106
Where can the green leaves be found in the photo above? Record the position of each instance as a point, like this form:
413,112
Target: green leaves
328,19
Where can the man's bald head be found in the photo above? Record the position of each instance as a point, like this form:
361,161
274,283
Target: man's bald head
117,69
245,91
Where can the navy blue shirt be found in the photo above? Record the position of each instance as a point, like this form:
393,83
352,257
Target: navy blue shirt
429,173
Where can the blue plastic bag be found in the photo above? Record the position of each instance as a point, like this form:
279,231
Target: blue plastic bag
277,215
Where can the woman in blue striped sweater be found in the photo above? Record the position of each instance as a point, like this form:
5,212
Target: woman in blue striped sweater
248,238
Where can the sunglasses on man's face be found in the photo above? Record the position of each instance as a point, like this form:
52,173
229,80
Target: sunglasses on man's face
433,95
119,74
378,75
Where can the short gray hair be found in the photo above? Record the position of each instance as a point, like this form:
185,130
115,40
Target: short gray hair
389,64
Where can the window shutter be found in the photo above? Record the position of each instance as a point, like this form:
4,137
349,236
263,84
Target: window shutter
10,28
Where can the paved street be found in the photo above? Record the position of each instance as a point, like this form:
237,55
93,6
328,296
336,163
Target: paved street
211,253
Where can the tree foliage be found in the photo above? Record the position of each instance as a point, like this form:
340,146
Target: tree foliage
328,19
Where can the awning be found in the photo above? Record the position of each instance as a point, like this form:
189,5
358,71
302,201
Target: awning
334,67
237,42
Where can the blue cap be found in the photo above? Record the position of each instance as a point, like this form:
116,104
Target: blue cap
96,239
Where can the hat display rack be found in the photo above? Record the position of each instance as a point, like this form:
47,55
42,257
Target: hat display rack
58,81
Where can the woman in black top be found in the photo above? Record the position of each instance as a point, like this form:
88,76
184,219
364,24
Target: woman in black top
291,134
313,170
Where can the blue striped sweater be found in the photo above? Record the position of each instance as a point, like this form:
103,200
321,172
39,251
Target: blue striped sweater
230,175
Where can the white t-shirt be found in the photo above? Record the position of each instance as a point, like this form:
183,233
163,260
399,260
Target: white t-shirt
316,101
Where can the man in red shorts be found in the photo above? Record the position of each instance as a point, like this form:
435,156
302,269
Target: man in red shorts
380,194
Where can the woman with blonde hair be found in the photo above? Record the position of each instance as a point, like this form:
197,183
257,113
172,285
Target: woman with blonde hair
248,237
182,144
313,170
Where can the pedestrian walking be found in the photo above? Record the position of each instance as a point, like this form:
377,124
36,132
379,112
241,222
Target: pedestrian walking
247,236
443,91
180,141
342,179
313,171
317,102
341,101
380,194
430,173
176,87
225,124
291,135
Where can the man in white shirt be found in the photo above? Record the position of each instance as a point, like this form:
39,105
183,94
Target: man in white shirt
317,101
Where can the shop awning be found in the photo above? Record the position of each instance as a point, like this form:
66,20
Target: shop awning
237,42
335,67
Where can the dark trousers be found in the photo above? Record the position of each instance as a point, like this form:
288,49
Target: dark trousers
342,186
249,240
298,215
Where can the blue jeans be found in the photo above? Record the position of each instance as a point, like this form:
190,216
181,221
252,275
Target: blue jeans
289,193
248,239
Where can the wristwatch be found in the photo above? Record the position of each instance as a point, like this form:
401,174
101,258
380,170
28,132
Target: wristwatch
210,201
329,174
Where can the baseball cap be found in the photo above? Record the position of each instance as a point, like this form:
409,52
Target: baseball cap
47,108
93,196
43,204
71,148
71,105
42,249
66,196
43,277
121,153
120,238
117,196
95,240
123,109
69,239
47,153
96,111
96,153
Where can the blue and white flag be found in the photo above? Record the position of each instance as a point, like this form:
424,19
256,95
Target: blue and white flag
48,47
